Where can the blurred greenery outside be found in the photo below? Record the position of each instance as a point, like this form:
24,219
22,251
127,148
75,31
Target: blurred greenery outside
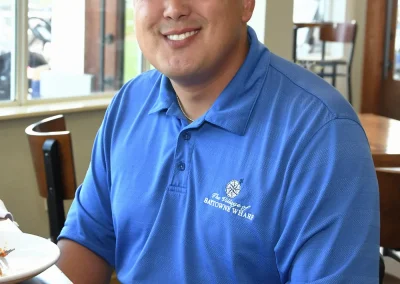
131,48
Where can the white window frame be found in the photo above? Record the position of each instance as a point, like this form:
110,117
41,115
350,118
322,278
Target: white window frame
19,80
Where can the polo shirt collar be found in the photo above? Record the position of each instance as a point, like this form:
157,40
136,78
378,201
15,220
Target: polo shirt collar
233,107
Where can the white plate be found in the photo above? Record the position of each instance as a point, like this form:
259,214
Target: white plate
32,255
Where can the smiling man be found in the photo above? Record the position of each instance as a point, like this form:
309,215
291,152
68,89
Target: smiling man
227,164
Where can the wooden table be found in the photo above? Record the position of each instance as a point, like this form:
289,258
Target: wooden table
384,138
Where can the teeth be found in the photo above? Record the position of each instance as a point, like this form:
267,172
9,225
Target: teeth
182,36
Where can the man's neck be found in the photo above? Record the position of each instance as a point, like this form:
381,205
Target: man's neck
197,98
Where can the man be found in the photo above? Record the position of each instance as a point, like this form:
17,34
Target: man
228,165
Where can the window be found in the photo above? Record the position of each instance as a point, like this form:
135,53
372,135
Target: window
7,50
308,11
69,51
73,49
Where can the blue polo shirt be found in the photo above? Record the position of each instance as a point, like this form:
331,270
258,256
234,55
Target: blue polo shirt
273,184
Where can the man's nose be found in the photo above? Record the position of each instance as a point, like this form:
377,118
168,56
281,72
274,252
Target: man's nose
176,9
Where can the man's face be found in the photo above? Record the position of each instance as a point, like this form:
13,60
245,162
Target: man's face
185,39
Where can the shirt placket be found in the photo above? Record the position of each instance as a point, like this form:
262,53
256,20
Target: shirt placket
182,161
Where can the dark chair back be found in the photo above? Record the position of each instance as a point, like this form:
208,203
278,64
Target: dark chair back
389,190
51,151
330,32
389,195
338,32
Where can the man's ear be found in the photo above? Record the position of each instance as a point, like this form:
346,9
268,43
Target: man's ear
248,8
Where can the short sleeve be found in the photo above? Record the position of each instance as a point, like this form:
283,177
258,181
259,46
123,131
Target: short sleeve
330,220
89,220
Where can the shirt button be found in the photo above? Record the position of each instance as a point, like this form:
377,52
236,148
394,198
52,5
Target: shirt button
181,166
187,136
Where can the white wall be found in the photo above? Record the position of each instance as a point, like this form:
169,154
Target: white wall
357,10
257,22
279,27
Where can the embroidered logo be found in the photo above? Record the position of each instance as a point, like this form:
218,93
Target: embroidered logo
227,204
233,188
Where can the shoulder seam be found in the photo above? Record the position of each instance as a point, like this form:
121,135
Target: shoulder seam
290,164
307,91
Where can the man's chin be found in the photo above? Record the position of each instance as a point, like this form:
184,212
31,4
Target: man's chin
180,74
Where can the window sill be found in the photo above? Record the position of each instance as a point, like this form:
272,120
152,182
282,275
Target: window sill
53,108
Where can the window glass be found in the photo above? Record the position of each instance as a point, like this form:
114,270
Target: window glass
79,48
7,49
